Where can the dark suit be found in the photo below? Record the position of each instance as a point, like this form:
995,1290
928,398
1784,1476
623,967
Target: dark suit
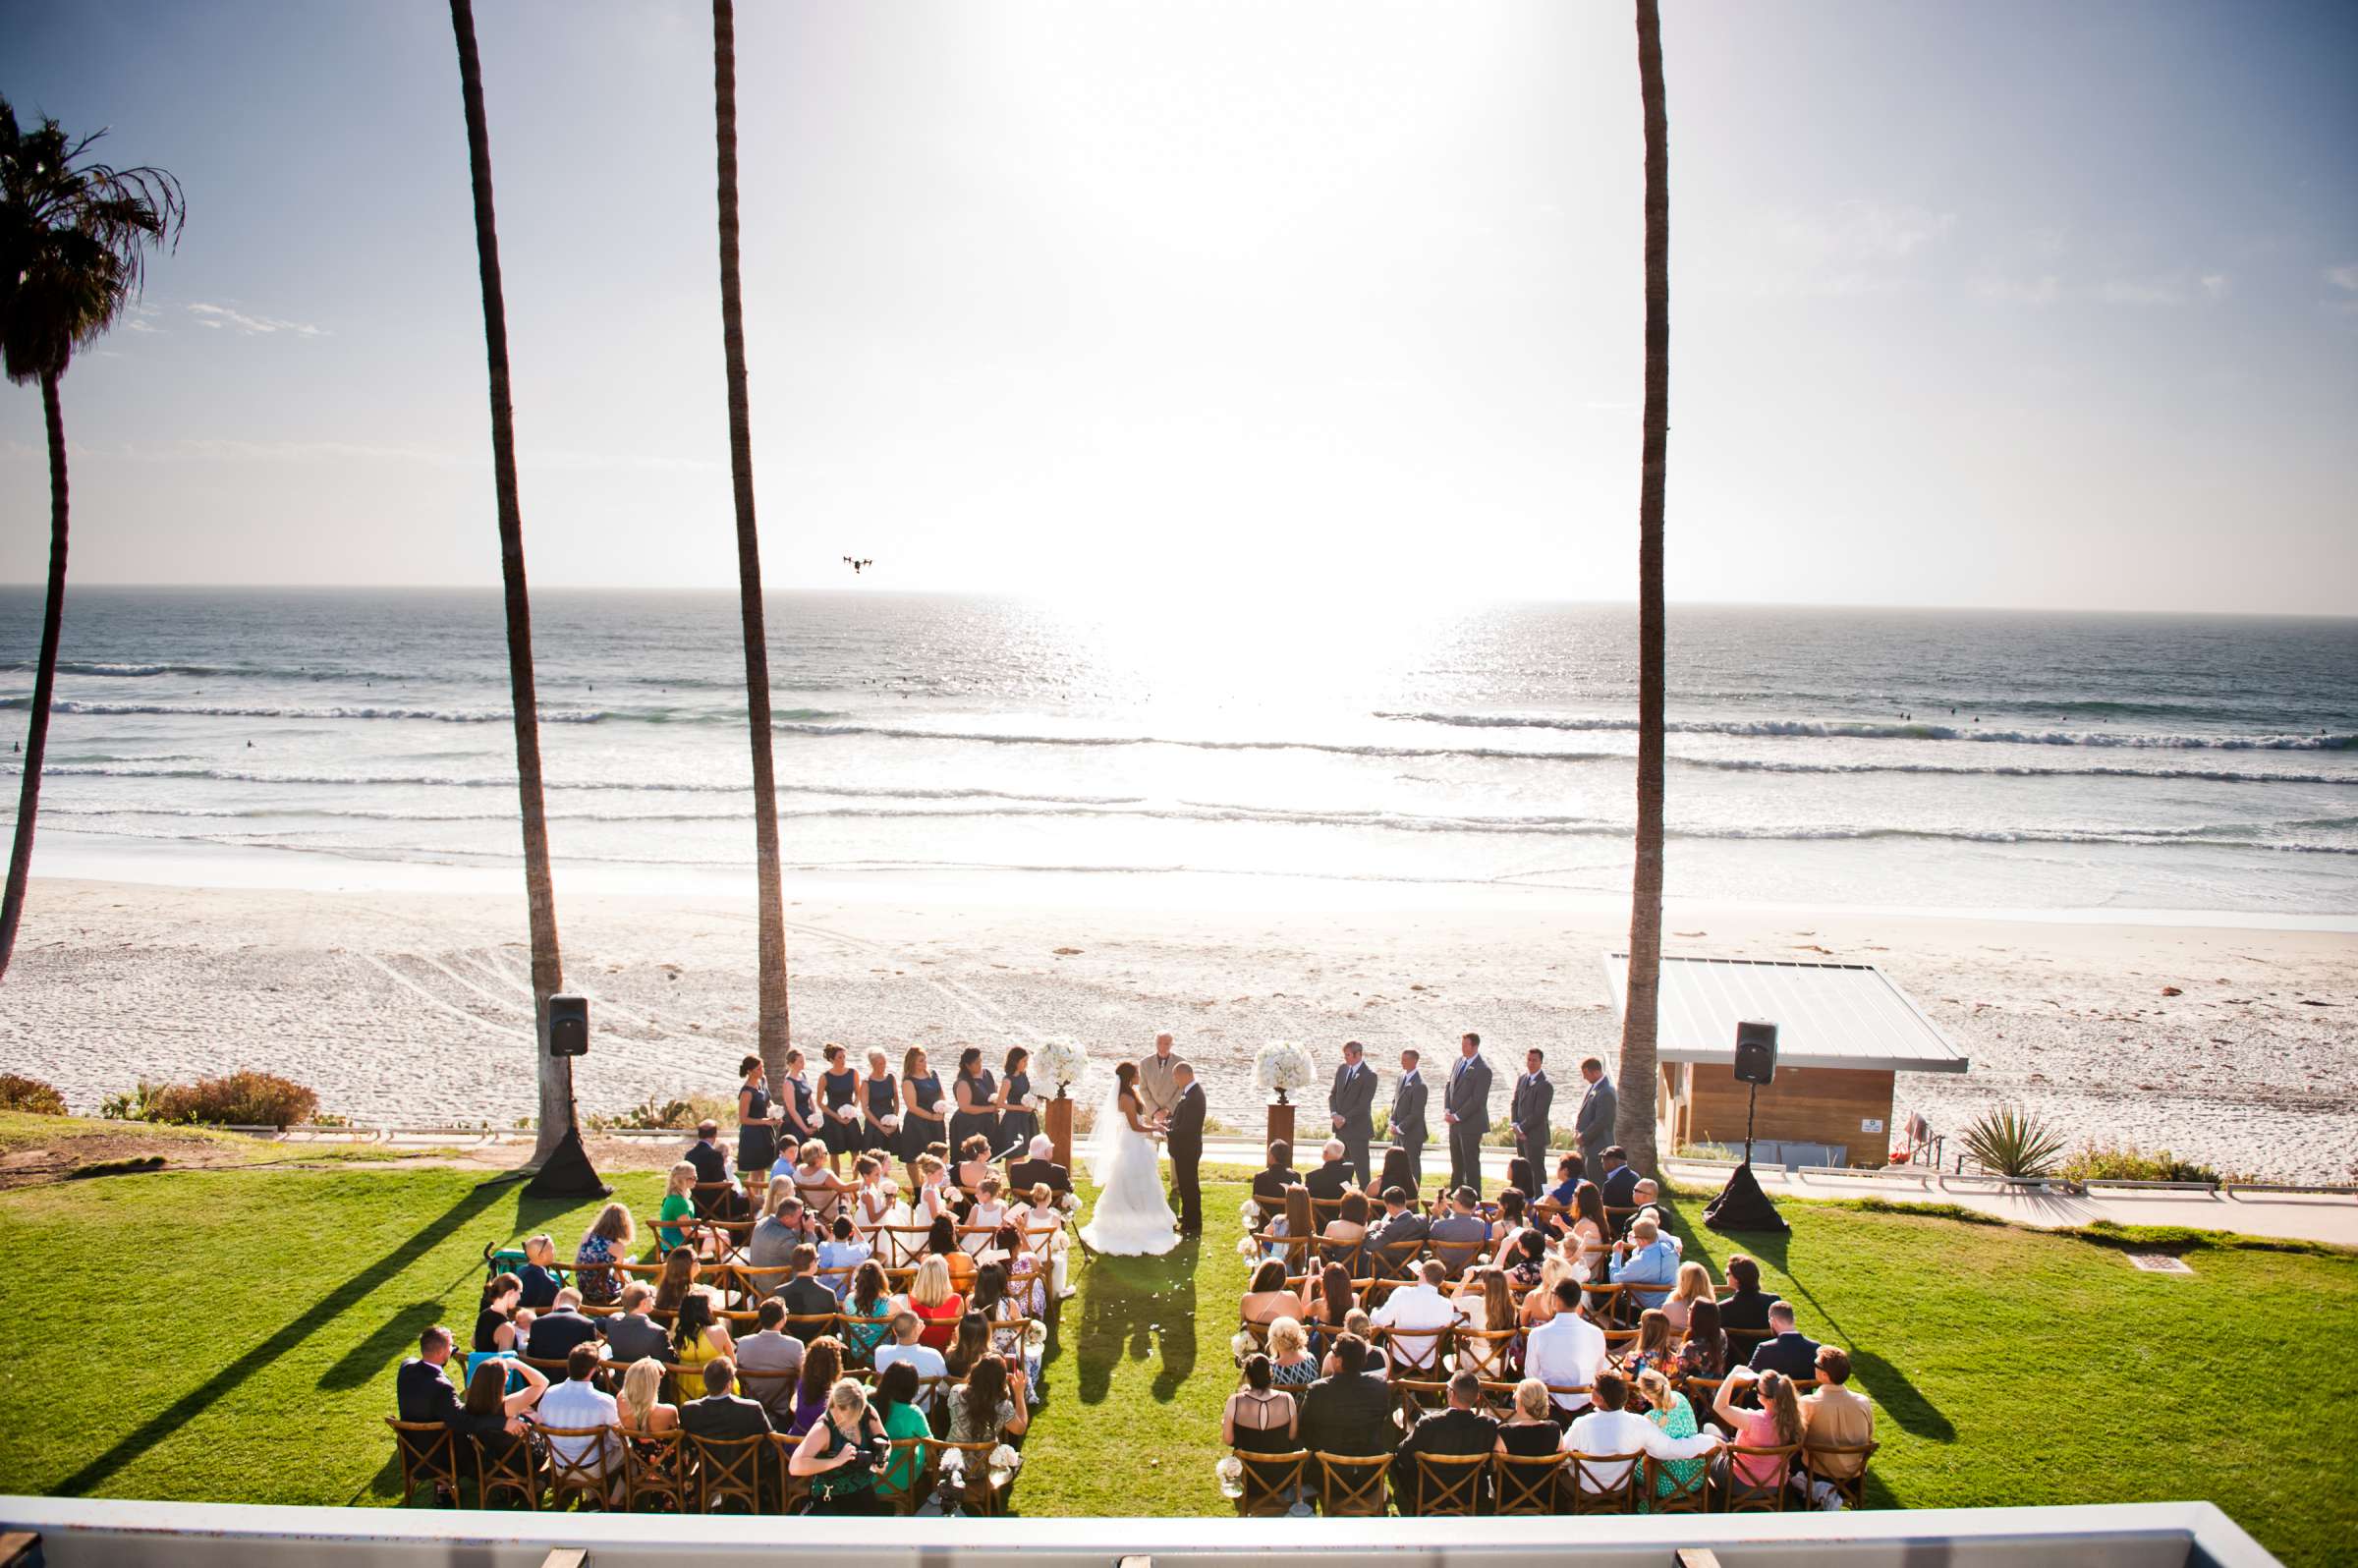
555,1333
1349,1416
711,1165
421,1393
1268,1190
1408,1124
1441,1431
1468,1098
1621,1188
1534,1097
1329,1179
724,1416
1400,1230
1599,1107
1353,1098
1185,1143
808,1298
1795,1354
1024,1175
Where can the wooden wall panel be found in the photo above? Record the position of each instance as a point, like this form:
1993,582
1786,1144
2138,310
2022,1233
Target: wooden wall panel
1813,1105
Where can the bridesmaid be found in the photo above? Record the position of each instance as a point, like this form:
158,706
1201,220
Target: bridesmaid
978,1097
921,1108
839,1092
1018,1122
880,1096
757,1127
798,1118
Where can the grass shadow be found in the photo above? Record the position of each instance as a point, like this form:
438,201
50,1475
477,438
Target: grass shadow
1133,1307
396,1335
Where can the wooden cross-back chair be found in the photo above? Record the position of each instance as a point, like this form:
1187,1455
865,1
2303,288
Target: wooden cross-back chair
1350,1255
1418,1395
1413,1351
976,1495
922,1479
1458,1256
592,1474
1487,1351
655,1473
1449,1485
899,1245
1294,1248
507,1467
1841,1466
1272,1482
1323,1211
428,1453
1668,1494
726,1470
1739,1495
1603,1483
1393,1260
1527,1483
1557,1393
1352,1486
709,1198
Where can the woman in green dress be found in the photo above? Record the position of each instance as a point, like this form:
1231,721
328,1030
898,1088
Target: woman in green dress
1676,1418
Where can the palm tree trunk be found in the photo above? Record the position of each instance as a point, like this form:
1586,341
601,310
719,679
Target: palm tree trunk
541,899
44,680
774,1029
1640,1087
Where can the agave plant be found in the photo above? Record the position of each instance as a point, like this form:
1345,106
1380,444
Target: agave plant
2014,1141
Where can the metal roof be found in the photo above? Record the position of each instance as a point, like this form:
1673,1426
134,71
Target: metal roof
1827,1015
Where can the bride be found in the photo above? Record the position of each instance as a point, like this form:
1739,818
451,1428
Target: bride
1133,1218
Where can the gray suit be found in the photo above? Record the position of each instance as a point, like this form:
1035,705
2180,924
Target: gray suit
1468,1100
1353,1098
1594,1126
1534,1097
1408,1121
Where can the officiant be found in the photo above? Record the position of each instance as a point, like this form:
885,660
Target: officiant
1157,1093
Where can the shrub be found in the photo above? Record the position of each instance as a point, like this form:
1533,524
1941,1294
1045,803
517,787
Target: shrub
2126,1163
243,1099
18,1094
681,1112
2014,1141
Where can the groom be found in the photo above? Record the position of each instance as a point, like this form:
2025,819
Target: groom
1185,1145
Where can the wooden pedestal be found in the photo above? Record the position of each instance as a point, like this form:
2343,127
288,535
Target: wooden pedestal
1060,1130
1281,1122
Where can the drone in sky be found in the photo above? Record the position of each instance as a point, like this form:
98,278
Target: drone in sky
857,566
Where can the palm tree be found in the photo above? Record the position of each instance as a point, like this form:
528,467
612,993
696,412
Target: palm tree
74,238
774,1033
1633,1127
541,899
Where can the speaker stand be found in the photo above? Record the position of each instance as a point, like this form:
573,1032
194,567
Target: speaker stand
1741,1205
567,1172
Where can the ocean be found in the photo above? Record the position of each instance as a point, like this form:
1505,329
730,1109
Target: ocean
1957,761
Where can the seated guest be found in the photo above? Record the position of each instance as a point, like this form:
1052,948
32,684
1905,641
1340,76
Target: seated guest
489,1414
421,1393
679,1202
1330,1298
1702,1352
908,1348
631,1336
1610,1429
1040,1169
1513,1220
784,1226
1350,1224
1669,1411
1694,1285
1291,1364
1347,1412
1271,1182
704,1157
537,1279
971,1345
1776,1423
804,1294
1462,1429
723,1412
497,1311
697,1335
1416,1314
1588,1233
984,1216
1398,1229
822,1369
932,1199
1646,1195
936,1304
1747,1308
941,1245
1620,1181
1570,1171
1787,1350
1461,1230
1539,1301
989,1406
677,1279
579,1401
1486,1307
1529,1264
770,1362
904,1422
638,1409
606,1242
1530,1429
835,1453
1260,1417
1333,1174
824,1194
1642,1257
974,1163
1567,1351
1655,1346
564,1326
871,1299
1268,1298
1521,1174
1835,1418
840,1254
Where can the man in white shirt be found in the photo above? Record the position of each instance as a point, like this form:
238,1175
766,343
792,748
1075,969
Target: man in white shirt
1567,1351
1415,1313
577,1402
927,1360
1610,1429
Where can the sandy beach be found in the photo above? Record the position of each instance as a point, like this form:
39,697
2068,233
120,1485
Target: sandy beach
414,1006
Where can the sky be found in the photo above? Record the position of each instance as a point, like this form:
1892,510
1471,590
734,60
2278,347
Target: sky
1996,302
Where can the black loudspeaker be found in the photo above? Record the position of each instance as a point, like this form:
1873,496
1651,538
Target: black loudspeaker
1756,1052
568,1026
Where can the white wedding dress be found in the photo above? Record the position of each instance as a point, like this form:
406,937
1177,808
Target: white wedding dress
1133,1218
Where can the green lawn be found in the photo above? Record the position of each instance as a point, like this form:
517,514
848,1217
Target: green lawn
231,1336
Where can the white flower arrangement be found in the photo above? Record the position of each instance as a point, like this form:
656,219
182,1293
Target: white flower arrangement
1245,1248
1243,1345
1231,1474
1036,1338
1064,1062
1283,1066
1069,1203
1250,1212
891,1124
1005,1457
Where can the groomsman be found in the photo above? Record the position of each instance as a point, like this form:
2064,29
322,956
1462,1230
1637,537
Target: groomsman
1408,1118
1533,1098
1466,1107
1185,1146
1350,1105
1594,1127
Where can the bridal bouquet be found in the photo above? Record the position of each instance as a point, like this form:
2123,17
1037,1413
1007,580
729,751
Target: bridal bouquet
1283,1065
1064,1062
891,1124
